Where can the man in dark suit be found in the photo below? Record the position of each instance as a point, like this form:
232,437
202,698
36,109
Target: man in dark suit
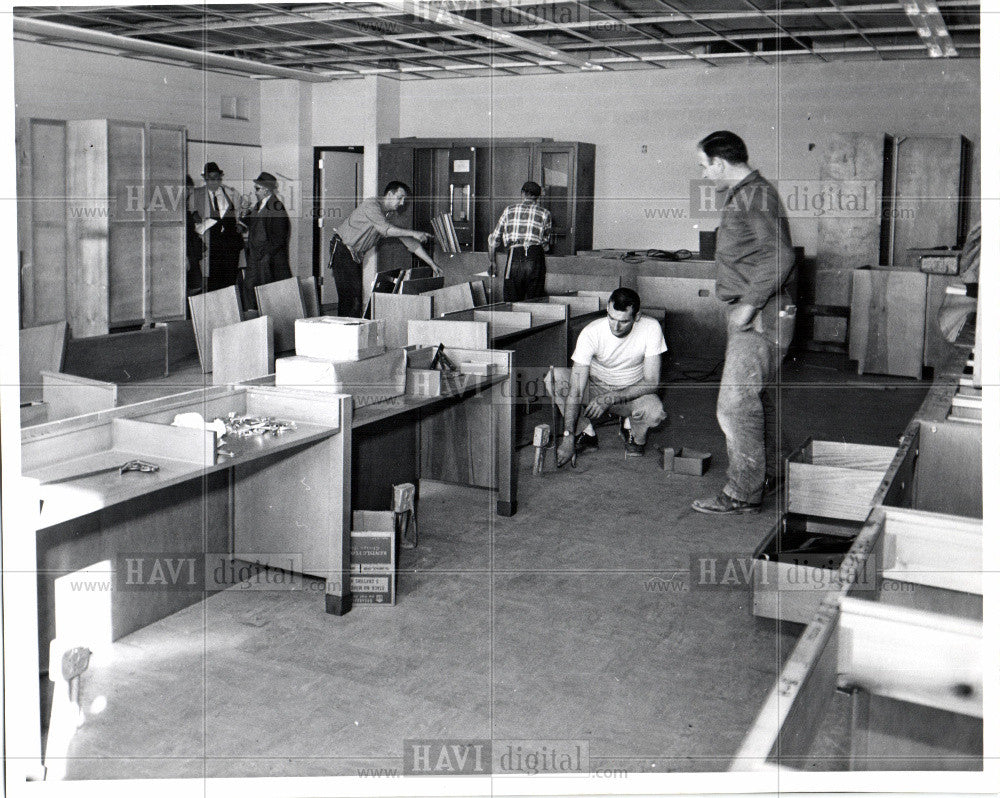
213,208
268,229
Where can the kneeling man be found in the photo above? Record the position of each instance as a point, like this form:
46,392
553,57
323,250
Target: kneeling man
616,369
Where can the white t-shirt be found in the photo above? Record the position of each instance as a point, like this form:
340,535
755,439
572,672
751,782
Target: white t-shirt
618,361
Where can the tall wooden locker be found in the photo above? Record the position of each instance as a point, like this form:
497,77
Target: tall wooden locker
125,217
501,170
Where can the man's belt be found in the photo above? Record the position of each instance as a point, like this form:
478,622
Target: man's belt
335,241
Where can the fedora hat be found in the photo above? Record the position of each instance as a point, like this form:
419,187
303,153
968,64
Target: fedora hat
212,168
267,180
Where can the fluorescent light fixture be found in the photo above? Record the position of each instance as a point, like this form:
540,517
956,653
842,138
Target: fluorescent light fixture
925,16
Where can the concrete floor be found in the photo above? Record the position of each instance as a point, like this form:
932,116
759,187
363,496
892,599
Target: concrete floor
543,626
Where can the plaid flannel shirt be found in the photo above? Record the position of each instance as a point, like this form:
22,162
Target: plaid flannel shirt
523,224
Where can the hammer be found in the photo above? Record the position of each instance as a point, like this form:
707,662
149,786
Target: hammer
541,440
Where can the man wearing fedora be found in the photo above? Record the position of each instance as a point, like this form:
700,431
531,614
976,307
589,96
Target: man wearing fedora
213,208
268,229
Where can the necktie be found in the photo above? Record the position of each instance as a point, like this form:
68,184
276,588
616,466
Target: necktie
215,206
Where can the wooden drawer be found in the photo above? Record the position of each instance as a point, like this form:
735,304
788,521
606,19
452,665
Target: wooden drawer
835,480
796,566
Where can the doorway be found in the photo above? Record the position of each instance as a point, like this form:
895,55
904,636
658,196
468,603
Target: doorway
338,182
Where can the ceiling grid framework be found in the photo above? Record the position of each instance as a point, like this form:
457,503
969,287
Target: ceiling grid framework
437,39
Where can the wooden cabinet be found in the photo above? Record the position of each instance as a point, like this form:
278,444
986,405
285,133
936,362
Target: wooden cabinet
101,216
475,179
888,311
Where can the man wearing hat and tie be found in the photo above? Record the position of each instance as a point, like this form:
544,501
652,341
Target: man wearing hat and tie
268,229
213,208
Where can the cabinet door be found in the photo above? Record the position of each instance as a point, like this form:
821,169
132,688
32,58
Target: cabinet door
461,190
167,266
395,163
558,173
127,253
41,220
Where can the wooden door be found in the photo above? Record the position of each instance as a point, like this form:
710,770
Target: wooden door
557,168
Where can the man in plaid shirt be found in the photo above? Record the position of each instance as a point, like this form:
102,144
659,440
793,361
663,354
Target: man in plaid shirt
526,229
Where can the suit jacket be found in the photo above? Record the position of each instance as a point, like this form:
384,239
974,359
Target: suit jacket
200,208
267,239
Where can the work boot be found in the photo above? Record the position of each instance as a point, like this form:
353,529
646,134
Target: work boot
724,504
633,449
583,442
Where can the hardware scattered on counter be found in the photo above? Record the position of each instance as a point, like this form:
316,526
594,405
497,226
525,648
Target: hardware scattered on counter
249,426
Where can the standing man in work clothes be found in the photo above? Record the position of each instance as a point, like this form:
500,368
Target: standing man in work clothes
361,232
526,229
755,261
213,209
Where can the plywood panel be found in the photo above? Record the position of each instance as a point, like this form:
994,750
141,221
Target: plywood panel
696,320
166,191
928,187
887,321
119,357
282,301
310,296
126,277
208,311
167,270
396,310
41,349
68,395
42,220
853,162
88,209
461,334
452,298
242,351
949,472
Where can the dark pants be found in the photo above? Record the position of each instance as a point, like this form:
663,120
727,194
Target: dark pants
224,247
525,277
347,278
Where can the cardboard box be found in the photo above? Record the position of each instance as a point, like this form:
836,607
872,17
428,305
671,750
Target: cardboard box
423,382
835,480
373,557
367,381
690,461
339,338
796,566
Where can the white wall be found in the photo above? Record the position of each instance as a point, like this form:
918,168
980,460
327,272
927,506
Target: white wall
64,83
779,111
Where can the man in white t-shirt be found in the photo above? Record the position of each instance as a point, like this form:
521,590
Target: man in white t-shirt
616,369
